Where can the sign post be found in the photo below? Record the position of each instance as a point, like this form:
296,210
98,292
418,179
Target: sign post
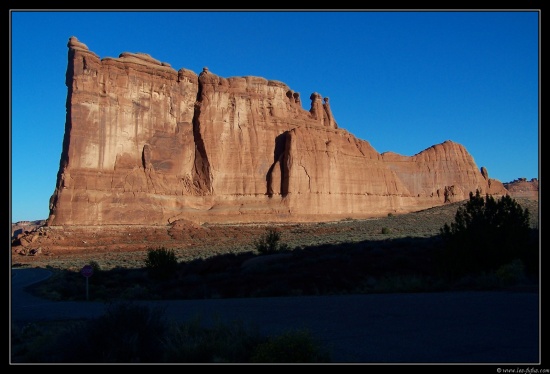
87,272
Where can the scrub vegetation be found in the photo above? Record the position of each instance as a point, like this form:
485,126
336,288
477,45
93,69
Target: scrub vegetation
479,244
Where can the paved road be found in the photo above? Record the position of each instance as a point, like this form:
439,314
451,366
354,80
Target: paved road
449,327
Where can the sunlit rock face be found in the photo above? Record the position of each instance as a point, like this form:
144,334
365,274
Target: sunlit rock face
147,144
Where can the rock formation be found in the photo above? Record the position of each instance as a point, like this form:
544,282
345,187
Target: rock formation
146,144
19,229
521,187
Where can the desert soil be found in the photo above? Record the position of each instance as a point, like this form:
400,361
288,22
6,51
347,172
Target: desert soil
126,246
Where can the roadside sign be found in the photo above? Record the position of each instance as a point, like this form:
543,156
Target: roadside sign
87,271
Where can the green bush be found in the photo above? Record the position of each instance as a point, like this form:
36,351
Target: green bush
269,242
485,235
385,230
161,263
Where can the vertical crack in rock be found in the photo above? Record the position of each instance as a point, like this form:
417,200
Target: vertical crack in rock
136,112
171,107
277,178
308,177
202,178
146,157
102,136
231,109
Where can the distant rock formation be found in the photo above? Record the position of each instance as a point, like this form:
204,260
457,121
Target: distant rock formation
146,144
19,229
521,187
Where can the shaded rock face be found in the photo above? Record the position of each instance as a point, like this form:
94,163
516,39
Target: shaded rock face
146,144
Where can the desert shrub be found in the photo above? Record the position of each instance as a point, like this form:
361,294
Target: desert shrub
269,242
385,230
512,273
97,275
290,347
126,333
404,283
38,342
276,287
161,263
223,342
485,235
480,281
25,341
95,265
136,292
131,333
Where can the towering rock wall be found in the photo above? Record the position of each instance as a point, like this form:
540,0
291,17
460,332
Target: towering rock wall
146,144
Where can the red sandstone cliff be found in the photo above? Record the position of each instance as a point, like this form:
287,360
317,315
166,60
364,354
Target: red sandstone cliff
146,144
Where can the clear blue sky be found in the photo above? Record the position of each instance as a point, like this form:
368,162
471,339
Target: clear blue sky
403,81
